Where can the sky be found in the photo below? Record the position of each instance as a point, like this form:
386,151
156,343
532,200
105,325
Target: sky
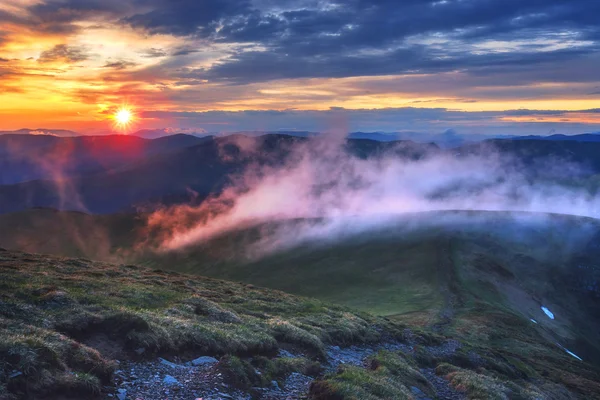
469,66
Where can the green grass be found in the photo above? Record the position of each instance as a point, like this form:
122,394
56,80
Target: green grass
385,279
63,321
479,285
356,383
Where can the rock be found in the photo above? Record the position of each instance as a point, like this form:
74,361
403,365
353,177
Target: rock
14,374
169,380
140,351
419,395
286,354
168,363
204,360
122,394
275,385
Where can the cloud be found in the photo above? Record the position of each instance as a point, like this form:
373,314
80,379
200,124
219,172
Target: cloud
421,122
357,195
360,38
10,89
119,65
42,133
185,17
64,53
356,38
153,52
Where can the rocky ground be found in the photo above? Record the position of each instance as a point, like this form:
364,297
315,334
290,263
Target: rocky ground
201,379
164,379
197,379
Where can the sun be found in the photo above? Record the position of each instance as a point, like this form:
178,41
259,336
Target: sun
123,117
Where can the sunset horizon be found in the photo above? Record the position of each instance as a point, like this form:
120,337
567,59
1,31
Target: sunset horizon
476,67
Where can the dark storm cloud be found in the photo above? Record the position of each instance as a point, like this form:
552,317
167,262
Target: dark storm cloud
185,17
60,17
369,37
256,66
65,53
331,38
68,11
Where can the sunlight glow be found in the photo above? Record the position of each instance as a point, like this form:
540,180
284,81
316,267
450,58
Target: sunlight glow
123,118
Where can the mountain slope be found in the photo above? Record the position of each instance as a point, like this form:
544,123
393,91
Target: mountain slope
65,322
415,267
531,152
468,261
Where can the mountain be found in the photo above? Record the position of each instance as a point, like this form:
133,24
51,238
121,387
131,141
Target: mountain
107,174
74,234
41,132
161,133
462,305
29,157
160,176
66,323
585,155
585,137
450,263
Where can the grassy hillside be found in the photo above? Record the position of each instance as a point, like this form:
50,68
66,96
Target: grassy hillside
515,263
438,275
478,278
74,234
64,324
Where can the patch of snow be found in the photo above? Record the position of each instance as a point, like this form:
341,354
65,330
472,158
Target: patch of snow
573,354
570,352
548,312
534,321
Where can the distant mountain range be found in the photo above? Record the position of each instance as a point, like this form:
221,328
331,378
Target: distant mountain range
584,137
28,157
448,139
106,174
41,132
116,173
